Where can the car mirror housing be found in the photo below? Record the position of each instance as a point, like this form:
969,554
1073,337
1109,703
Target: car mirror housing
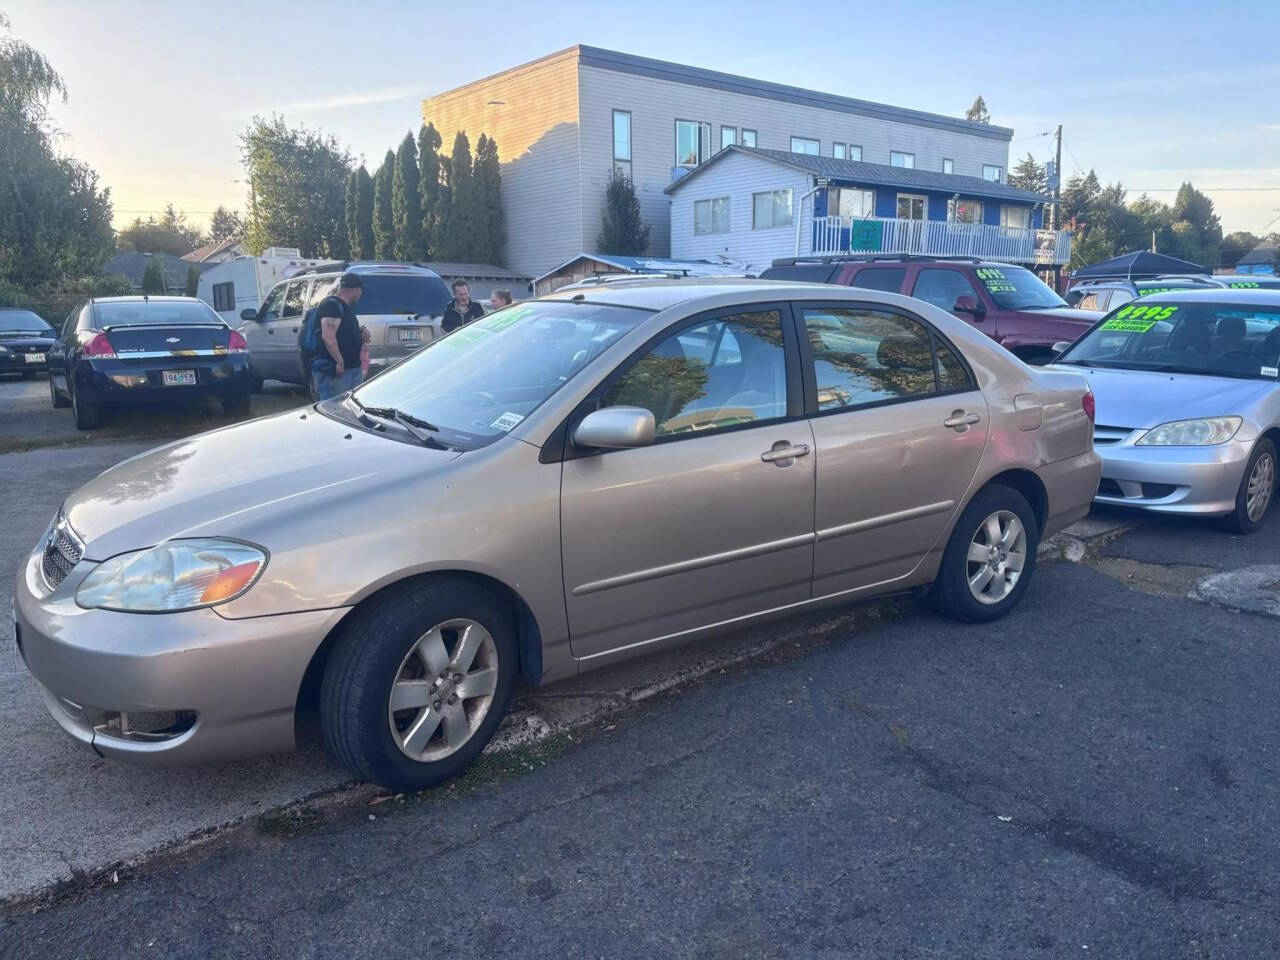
968,304
248,313
616,428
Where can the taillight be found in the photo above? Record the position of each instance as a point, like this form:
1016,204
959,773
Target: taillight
99,346
1089,407
237,342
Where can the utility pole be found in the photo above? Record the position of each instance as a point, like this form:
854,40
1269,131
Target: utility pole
1057,179
1153,239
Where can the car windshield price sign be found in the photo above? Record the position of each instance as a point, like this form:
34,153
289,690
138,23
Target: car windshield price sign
995,280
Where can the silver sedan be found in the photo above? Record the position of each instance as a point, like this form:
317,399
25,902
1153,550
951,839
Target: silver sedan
1188,395
558,486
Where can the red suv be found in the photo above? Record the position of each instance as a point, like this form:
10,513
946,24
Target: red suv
1009,304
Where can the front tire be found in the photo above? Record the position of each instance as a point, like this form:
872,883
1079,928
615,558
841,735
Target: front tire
990,557
56,398
1257,489
418,683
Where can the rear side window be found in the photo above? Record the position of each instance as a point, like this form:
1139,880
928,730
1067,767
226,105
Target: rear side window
324,286
880,278
1094,300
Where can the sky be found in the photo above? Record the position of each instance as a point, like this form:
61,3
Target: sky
1148,94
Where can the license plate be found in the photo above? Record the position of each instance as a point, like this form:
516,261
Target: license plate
35,358
179,378
410,335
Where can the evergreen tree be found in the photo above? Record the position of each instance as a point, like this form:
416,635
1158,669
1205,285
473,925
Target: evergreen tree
364,216
444,204
384,231
489,175
406,202
461,224
153,278
1029,175
622,232
225,224
193,280
978,112
479,247
429,175
350,214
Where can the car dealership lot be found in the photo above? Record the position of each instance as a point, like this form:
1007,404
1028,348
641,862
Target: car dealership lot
64,812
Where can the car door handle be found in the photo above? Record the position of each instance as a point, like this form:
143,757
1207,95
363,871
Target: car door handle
785,451
961,421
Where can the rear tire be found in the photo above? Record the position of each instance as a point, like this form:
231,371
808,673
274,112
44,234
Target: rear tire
255,385
236,406
976,581
58,400
1257,490
88,415
405,641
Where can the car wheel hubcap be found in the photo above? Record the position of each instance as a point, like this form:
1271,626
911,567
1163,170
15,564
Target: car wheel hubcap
443,690
997,554
1262,484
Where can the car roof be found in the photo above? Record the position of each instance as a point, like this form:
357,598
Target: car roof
141,298
1256,297
650,293
878,259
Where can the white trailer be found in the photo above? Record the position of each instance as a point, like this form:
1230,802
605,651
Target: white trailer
240,284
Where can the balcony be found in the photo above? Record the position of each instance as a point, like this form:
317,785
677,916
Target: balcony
940,238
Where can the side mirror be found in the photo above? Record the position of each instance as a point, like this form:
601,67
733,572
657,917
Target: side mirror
968,304
248,313
616,428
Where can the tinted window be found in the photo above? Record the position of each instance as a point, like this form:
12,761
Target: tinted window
806,273
1094,300
868,356
1118,297
941,287
881,278
22,321
1015,288
293,299
405,295
131,313
720,373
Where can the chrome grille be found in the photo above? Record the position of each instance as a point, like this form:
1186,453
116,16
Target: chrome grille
62,551
1104,436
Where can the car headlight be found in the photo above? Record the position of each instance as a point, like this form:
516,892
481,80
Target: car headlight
176,575
1204,432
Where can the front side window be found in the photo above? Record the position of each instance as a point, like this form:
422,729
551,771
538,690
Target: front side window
224,296
966,211
711,216
293,299
942,287
481,380
688,143
805,145
948,165
911,206
728,136
748,138
771,209
838,151
1014,216
271,306
863,356
898,159
722,373
991,172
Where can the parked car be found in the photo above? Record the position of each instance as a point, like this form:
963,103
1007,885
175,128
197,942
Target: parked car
116,351
401,306
560,485
1112,292
25,340
1245,281
1010,304
1188,397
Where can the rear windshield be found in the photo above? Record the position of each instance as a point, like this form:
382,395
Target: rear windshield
409,295
134,313
1225,340
22,321
1150,287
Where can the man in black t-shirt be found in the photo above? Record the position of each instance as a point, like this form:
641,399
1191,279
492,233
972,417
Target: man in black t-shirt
337,366
461,310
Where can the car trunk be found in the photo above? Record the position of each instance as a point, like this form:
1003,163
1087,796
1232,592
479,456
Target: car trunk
150,342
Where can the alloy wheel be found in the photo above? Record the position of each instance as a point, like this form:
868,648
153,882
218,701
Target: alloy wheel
443,690
997,554
1262,484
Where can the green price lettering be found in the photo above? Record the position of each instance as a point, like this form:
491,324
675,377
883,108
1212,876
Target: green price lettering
1116,325
1244,284
1139,312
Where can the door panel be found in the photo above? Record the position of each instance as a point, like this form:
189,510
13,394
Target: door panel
282,334
257,333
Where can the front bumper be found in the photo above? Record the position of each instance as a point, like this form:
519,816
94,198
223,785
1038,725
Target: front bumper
1188,480
233,684
14,362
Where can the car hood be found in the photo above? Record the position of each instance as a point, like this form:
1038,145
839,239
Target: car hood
26,339
238,481
1141,399
1070,314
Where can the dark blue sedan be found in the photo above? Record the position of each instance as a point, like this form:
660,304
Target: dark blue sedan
25,342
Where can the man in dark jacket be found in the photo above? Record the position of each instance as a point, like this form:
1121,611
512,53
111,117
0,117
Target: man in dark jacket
461,310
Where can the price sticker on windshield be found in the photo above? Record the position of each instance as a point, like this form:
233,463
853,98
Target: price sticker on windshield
1138,319
1244,284
994,279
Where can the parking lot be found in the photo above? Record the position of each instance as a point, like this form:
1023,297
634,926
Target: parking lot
1109,751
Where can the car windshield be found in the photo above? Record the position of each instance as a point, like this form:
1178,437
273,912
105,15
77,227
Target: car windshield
475,384
22,321
410,295
1226,340
1013,288
1251,283
133,313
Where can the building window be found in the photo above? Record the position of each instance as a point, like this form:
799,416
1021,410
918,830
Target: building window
224,296
748,137
911,206
771,209
622,142
804,145
991,172
897,159
851,203
855,152
728,136
1012,216
689,146
964,211
838,151
710,216
948,165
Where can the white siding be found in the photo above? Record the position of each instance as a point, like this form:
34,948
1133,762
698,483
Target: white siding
738,177
536,128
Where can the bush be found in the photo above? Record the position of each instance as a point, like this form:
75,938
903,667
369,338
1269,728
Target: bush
55,301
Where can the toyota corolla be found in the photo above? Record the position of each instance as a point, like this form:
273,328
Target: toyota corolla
558,486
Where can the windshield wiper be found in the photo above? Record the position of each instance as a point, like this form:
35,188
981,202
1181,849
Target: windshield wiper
408,421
